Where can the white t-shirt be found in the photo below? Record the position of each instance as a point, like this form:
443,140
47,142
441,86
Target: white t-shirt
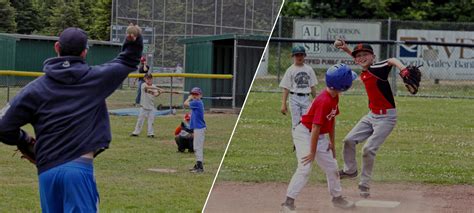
146,99
299,79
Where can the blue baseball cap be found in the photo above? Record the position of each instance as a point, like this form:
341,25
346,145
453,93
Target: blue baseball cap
196,90
73,39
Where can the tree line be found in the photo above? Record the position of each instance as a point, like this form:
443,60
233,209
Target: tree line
50,17
424,10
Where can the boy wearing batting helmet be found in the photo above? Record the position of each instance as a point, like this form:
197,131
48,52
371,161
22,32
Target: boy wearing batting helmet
68,112
198,125
298,83
313,138
378,123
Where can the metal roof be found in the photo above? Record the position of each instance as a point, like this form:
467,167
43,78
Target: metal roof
54,38
199,39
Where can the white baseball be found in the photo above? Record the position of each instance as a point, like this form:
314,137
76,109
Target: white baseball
338,43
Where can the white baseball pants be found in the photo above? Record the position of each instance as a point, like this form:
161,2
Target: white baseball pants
324,158
145,113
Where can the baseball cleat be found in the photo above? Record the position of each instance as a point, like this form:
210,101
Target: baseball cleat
151,136
344,175
285,208
133,135
364,191
342,203
198,168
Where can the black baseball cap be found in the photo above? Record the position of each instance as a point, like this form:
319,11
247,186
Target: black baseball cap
362,47
73,39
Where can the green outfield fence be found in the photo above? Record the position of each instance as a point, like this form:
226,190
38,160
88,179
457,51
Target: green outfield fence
441,78
11,82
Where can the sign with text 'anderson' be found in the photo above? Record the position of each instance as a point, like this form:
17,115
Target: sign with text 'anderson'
324,55
439,62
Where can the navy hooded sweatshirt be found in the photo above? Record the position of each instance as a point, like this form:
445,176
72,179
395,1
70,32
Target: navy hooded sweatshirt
67,106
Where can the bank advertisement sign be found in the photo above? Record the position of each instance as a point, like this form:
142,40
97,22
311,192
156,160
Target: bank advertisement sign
439,62
321,55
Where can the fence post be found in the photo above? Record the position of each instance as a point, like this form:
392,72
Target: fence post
171,94
394,73
8,89
234,79
278,50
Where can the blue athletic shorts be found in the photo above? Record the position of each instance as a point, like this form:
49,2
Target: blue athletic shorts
69,187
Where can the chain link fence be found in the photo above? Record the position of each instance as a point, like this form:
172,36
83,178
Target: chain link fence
179,19
448,65
124,97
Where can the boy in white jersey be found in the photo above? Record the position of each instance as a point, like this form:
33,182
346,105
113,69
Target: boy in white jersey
147,110
298,82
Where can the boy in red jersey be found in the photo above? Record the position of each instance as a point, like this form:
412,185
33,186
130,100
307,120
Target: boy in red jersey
314,137
379,122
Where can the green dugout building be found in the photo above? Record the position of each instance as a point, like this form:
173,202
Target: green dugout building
238,55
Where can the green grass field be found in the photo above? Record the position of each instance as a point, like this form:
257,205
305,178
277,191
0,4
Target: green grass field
124,183
433,141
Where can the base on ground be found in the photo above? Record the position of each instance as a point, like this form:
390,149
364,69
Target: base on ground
162,170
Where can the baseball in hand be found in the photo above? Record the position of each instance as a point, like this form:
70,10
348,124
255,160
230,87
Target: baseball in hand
338,43
133,31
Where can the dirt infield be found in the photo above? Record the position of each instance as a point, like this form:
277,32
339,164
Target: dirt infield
266,197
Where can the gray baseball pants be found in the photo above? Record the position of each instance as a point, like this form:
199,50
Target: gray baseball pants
298,106
198,143
375,129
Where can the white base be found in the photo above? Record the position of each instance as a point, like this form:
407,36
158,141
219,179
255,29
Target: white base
162,170
377,203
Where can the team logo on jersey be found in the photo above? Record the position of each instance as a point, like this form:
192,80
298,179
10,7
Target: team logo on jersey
302,80
66,64
332,114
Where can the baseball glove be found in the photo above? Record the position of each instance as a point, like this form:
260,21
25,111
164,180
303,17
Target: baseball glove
411,76
27,149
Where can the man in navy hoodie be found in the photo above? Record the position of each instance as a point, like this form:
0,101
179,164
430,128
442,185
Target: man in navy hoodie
67,110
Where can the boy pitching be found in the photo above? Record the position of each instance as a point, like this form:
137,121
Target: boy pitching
378,123
68,112
313,138
298,82
147,110
198,125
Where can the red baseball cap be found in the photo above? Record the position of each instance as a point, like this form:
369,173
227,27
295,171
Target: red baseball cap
143,59
362,47
196,90
187,116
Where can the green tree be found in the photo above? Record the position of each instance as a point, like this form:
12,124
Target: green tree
7,22
86,10
425,10
296,9
64,15
45,8
100,28
26,16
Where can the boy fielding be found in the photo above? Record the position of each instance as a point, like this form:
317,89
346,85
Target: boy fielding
377,125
